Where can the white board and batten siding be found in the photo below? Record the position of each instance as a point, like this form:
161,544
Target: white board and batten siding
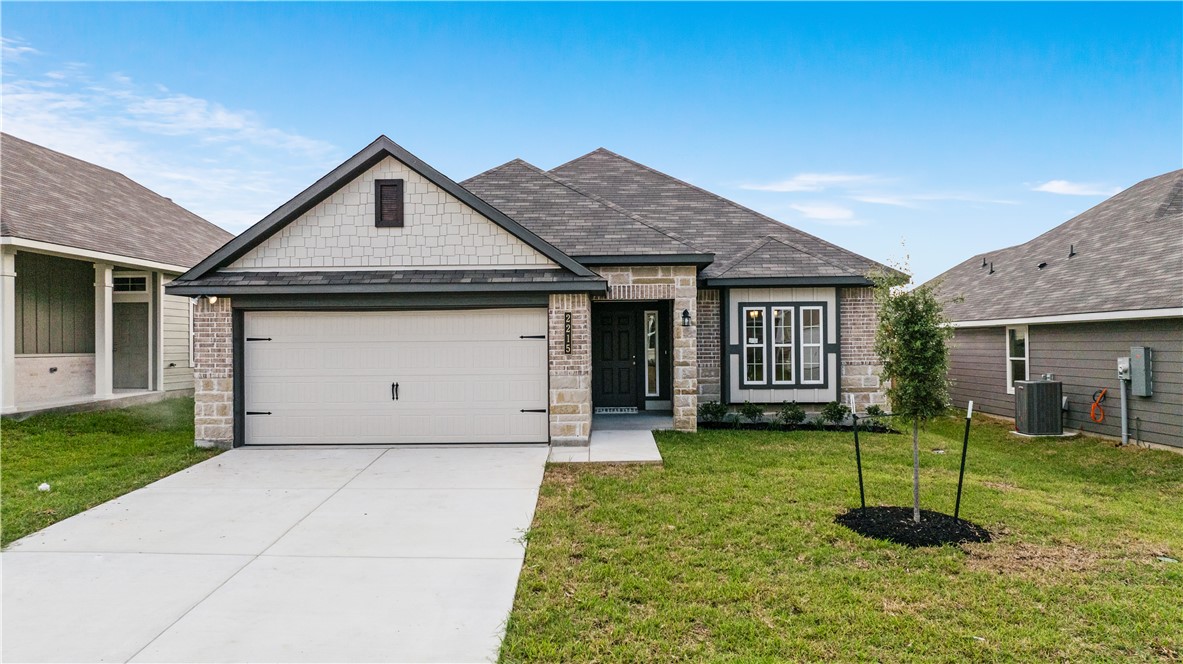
178,364
464,376
738,298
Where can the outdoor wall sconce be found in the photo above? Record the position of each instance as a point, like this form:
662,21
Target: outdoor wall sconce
212,299
685,318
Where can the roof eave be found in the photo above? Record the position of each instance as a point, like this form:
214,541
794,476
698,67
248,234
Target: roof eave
740,282
197,289
647,259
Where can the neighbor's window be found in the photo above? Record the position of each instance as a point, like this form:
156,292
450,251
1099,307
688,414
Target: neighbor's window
652,376
388,203
753,344
782,344
811,344
1016,356
129,284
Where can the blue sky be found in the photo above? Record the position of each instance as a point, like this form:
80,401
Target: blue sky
954,128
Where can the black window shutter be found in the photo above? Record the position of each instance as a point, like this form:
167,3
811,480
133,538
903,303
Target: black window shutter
388,203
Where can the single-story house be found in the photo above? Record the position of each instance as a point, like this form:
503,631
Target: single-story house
84,256
388,303
1070,303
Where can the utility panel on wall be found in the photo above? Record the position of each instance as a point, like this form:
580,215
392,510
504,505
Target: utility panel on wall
1141,371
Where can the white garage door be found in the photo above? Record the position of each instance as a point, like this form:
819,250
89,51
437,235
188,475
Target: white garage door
469,376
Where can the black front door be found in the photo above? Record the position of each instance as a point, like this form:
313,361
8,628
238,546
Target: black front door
615,382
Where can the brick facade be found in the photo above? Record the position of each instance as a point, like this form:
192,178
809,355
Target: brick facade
709,367
667,282
570,373
213,373
860,365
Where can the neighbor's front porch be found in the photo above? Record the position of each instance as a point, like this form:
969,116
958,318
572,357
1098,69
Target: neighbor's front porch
79,334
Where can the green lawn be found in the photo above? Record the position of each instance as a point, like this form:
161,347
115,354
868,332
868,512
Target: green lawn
87,459
730,553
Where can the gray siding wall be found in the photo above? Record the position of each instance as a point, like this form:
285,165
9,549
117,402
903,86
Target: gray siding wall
176,344
1084,357
54,307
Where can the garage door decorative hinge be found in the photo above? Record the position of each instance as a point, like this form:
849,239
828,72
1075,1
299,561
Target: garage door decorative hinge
258,338
258,412
533,410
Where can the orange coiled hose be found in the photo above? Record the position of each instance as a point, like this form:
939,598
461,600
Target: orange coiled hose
1097,413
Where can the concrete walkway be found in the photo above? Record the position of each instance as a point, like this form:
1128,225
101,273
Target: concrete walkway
607,446
293,555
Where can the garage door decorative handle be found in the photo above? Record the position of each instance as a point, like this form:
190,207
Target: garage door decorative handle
532,336
258,338
533,410
394,391
258,412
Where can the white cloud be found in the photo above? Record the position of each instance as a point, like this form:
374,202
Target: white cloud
15,49
825,211
813,182
915,200
226,165
1068,188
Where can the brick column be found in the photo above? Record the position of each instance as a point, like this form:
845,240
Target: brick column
709,371
570,373
213,373
860,365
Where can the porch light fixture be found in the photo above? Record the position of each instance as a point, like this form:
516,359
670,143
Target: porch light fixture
212,299
685,318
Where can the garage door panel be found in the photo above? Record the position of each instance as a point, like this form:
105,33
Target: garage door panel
463,376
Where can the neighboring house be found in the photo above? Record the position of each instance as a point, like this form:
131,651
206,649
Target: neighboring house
84,255
1073,300
388,304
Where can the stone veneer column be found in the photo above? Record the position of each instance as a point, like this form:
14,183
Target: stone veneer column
709,312
685,350
861,367
570,373
213,373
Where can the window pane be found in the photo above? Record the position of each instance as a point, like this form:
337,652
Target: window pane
651,376
783,365
1018,342
754,326
811,326
1018,371
755,358
782,326
811,366
129,284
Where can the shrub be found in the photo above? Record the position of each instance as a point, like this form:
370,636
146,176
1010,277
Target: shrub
712,411
874,412
790,414
752,412
834,412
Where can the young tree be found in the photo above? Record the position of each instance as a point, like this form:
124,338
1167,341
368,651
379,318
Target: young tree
911,343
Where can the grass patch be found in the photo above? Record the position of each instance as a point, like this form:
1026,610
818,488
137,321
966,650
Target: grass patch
88,459
731,553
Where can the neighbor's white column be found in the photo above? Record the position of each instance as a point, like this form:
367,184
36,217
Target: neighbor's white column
7,329
103,313
158,330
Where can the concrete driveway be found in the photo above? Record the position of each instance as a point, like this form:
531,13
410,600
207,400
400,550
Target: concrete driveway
292,555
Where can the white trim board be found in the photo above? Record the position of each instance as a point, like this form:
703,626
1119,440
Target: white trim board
1134,314
66,251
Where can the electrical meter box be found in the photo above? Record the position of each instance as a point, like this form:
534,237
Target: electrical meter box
1141,371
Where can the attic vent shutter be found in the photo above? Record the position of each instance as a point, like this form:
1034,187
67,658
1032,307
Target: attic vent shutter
388,197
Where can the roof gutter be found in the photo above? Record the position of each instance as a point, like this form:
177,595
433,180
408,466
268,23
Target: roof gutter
1089,317
648,259
742,282
75,253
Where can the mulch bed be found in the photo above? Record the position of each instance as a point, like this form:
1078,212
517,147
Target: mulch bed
895,524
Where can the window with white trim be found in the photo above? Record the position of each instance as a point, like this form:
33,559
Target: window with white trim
753,344
1017,366
652,361
782,345
811,345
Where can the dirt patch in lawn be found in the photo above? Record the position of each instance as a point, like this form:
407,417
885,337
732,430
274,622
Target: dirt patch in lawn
895,524
1021,557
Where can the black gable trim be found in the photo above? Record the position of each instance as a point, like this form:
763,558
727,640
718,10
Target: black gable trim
359,163
788,281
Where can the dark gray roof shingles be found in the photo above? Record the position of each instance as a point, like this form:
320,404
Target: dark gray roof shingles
224,279
576,223
707,220
51,197
1129,256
